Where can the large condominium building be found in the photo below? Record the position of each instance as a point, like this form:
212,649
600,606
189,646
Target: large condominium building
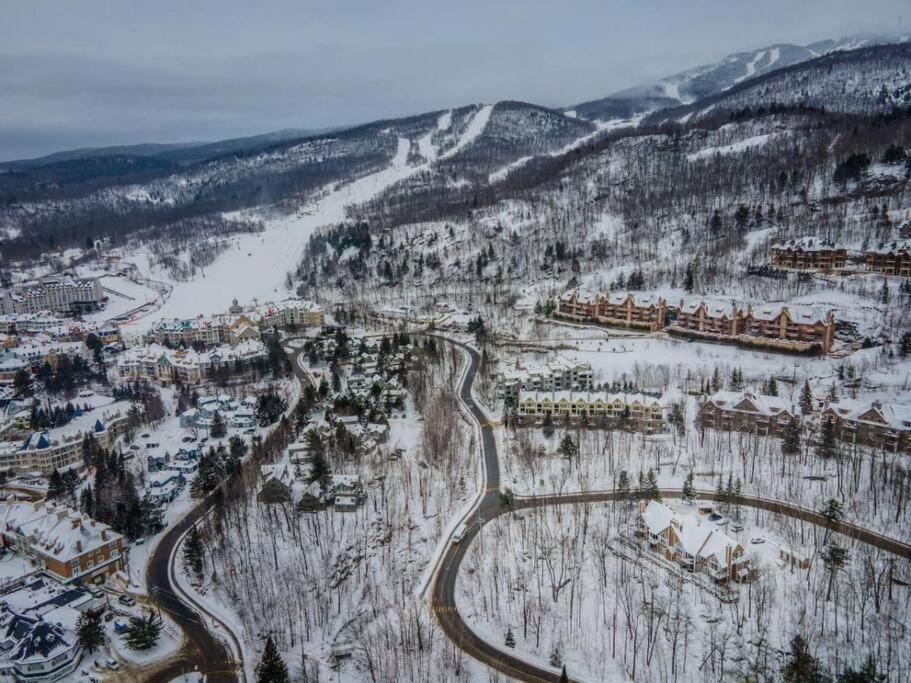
68,544
156,362
893,258
61,448
799,328
289,313
872,423
556,374
639,410
628,309
745,411
709,317
809,253
693,542
57,294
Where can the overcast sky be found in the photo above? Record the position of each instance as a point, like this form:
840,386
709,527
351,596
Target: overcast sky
90,73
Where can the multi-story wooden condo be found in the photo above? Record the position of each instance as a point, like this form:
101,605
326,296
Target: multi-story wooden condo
186,365
693,542
746,412
643,412
709,317
794,328
64,542
809,253
893,258
872,423
59,294
630,309
579,305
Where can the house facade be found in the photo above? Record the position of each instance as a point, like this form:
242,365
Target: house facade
872,423
633,309
639,410
166,365
57,294
893,258
746,412
693,542
795,328
69,545
557,374
808,253
709,317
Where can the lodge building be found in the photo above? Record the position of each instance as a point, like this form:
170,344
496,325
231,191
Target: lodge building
808,253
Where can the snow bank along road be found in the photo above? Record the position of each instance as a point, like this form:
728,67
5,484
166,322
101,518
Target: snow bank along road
492,505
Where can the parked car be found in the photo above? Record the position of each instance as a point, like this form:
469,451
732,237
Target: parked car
459,533
250,431
145,436
126,600
134,447
139,541
757,541
108,616
96,593
720,520
187,439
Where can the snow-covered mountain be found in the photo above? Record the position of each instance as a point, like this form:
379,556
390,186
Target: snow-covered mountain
707,80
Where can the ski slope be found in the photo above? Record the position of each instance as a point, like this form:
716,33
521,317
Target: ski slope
474,129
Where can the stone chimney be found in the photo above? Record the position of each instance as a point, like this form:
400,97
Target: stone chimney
104,534
78,546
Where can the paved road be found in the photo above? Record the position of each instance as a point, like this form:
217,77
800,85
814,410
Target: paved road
491,505
204,653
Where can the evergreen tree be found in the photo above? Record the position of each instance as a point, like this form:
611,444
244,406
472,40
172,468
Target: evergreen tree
510,638
834,557
802,667
865,674
548,426
555,658
688,495
652,491
806,399
790,445
192,553
90,630
716,381
689,278
319,468
564,678
55,485
567,447
904,345
623,483
143,632
218,429
827,447
271,668
772,387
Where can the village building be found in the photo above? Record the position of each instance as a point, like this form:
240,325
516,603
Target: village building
709,317
579,305
807,253
165,365
59,294
638,410
632,309
61,448
556,374
893,258
793,328
693,542
39,618
886,426
68,544
745,411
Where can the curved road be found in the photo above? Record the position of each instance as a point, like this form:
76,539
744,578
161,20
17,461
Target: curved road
491,505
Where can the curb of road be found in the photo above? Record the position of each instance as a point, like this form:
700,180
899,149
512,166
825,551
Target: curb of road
470,509
234,644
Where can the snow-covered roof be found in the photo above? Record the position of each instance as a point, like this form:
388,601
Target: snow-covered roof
807,244
803,315
747,401
589,397
893,248
894,415
697,537
714,308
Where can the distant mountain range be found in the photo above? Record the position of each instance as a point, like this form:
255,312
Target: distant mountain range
708,80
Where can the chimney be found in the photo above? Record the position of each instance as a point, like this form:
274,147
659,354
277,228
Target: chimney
78,546
74,523
104,534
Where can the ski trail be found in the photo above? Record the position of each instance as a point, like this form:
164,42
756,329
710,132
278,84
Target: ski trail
425,142
474,128
751,66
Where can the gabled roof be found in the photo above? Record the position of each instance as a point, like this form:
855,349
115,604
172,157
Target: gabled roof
807,244
747,401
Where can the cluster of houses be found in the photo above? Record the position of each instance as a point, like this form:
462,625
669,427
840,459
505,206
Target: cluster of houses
289,483
39,619
790,328
236,326
640,411
236,414
870,423
167,365
694,542
67,544
812,253
61,448
57,293
556,374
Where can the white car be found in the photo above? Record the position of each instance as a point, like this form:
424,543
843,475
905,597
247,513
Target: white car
757,541
459,533
112,664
